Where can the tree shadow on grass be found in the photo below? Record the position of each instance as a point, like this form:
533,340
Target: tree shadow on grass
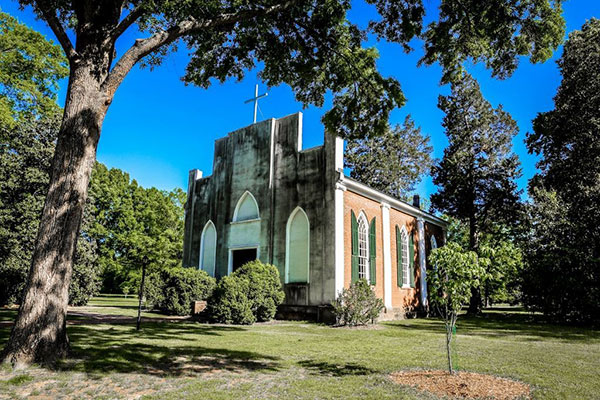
336,370
157,350
518,326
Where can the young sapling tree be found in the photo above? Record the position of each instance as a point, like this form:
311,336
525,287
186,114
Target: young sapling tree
455,271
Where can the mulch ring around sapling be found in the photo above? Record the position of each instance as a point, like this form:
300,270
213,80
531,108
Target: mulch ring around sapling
466,385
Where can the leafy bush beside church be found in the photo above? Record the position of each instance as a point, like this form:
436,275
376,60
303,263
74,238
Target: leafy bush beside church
250,294
173,290
357,305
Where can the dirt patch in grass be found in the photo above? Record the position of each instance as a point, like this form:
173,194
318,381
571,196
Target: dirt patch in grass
466,385
44,384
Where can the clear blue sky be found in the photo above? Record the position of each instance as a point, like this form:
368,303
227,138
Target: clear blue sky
157,128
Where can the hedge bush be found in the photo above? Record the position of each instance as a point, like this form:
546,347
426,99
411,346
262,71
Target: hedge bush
357,305
172,290
229,303
250,294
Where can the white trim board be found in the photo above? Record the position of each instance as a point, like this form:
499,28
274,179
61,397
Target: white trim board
387,256
339,240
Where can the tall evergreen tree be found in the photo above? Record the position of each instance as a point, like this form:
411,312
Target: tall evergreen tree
563,277
310,45
392,162
477,175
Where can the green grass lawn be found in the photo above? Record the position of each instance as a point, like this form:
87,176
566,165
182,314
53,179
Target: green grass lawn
116,304
305,360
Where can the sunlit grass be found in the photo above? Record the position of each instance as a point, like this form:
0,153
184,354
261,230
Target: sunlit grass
116,304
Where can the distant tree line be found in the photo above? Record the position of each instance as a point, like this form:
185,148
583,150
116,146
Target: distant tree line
132,225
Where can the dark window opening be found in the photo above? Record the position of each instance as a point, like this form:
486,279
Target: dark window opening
241,257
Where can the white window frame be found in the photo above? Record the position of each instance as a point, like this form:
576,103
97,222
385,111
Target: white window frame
202,242
405,254
434,245
243,247
363,257
238,205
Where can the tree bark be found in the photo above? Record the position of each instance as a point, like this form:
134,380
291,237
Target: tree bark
475,301
140,296
448,345
39,333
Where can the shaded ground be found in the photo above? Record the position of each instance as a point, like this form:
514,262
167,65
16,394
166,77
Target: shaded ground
184,359
77,317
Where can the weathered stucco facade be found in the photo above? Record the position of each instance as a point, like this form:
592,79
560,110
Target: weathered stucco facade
269,199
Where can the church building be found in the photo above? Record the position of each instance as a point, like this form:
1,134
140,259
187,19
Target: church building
272,200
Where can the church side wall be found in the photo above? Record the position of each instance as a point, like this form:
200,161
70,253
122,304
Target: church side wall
401,298
405,298
440,237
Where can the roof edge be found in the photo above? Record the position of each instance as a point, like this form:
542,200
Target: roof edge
381,197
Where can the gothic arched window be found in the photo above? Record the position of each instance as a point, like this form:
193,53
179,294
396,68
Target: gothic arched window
363,247
246,208
208,248
405,254
405,258
297,255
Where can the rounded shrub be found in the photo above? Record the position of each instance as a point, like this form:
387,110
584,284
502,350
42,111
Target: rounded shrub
264,288
230,304
250,294
154,290
357,305
172,290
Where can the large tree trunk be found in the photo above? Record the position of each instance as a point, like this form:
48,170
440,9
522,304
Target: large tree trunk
39,333
475,301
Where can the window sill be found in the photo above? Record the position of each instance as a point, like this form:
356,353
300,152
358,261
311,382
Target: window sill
406,287
245,221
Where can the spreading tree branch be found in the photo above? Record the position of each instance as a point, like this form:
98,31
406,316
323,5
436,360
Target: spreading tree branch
126,22
143,47
51,18
355,70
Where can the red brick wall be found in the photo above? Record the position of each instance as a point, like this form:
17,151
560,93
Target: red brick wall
358,203
404,297
436,231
